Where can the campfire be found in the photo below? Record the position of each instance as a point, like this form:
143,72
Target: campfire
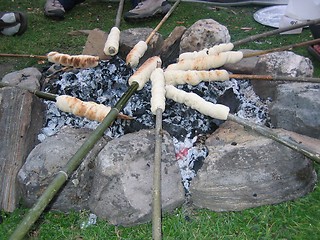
184,120
105,83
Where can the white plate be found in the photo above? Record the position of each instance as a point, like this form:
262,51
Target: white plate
270,16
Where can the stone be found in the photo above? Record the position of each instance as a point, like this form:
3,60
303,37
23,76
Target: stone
21,115
95,44
245,65
48,158
296,107
204,33
245,170
123,179
170,49
283,63
130,37
27,78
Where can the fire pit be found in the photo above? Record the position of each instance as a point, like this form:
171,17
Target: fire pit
108,81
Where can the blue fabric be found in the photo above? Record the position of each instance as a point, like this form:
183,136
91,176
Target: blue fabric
69,4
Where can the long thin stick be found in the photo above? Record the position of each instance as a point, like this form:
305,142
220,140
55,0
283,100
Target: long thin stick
156,213
275,78
63,175
162,21
270,133
119,14
23,55
276,31
287,47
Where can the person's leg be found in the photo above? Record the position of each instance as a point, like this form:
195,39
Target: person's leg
54,9
147,9
13,23
57,8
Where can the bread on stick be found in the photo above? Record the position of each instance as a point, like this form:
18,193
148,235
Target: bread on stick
90,110
207,62
111,46
158,92
136,53
142,75
192,55
193,77
77,61
223,47
196,102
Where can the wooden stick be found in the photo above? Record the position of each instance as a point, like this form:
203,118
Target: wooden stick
156,203
276,31
119,14
62,176
162,21
272,134
275,78
23,55
287,47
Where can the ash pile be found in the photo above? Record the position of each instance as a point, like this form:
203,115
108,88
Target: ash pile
106,83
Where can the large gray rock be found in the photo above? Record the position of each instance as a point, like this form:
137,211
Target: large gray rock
48,158
27,78
204,33
95,44
245,65
245,170
21,115
123,179
296,107
283,63
21,118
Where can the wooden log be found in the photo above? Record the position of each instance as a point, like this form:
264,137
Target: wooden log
21,118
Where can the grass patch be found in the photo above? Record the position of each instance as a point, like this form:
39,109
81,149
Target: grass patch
45,35
291,220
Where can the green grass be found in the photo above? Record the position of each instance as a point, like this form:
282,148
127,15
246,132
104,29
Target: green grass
297,219
45,35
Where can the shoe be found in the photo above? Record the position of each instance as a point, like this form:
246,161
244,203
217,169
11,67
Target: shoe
147,9
232,3
13,23
54,9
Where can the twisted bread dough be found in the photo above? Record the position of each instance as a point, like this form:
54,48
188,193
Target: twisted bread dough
158,92
196,102
207,62
91,110
111,47
142,75
136,53
192,77
77,61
